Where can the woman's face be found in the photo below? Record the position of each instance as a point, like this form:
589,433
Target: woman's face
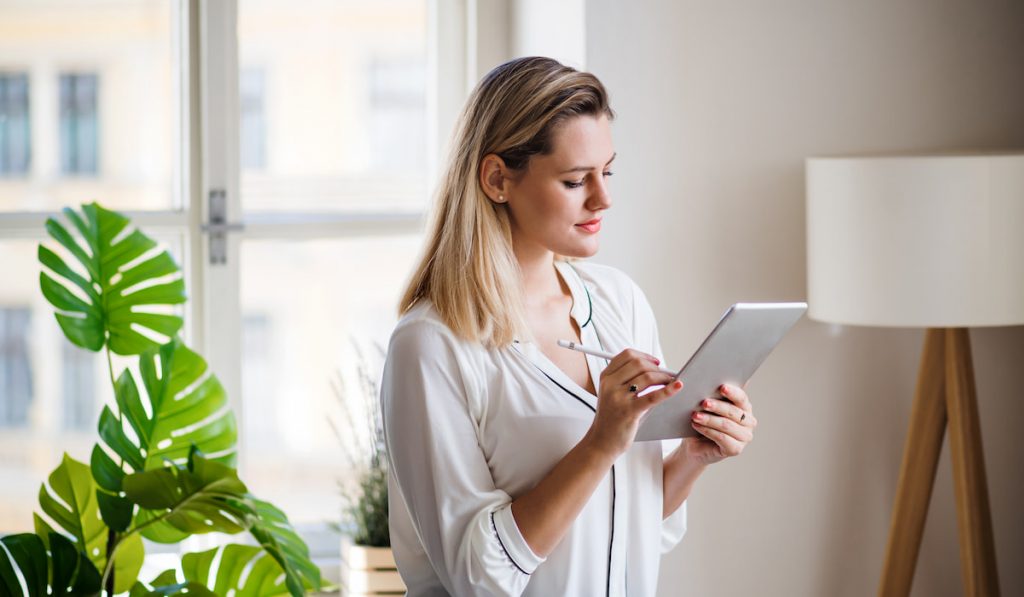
557,203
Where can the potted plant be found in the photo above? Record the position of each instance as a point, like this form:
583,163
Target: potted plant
367,564
164,468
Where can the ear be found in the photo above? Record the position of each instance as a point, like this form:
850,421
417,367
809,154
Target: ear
494,178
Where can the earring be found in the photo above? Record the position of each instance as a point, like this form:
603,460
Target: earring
501,198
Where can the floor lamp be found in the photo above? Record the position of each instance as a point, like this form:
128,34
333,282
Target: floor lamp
931,242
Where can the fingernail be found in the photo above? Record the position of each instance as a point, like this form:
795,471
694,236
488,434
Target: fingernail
706,404
725,389
678,384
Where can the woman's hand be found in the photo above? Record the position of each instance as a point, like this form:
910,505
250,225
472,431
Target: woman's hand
619,404
726,427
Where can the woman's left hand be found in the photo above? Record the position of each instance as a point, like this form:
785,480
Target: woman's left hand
726,426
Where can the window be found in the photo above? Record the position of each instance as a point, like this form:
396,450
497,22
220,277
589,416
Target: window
78,376
79,129
320,145
15,368
398,113
252,125
15,142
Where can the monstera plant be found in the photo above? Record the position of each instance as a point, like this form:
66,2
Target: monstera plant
164,468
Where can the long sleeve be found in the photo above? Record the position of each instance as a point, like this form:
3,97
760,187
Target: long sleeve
646,329
462,520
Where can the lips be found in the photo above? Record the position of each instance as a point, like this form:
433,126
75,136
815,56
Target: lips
591,225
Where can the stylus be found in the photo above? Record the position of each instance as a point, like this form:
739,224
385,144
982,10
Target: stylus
602,354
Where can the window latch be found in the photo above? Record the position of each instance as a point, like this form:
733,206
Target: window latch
218,227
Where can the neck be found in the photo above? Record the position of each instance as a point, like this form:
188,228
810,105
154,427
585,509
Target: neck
537,268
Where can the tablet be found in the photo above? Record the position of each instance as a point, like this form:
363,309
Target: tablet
731,353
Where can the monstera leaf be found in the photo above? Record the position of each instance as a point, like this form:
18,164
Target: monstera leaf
271,528
207,496
71,502
264,576
64,570
73,506
202,497
182,406
167,584
124,286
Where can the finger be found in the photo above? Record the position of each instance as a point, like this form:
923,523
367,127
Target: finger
632,368
728,444
725,425
647,401
626,356
649,378
737,396
726,409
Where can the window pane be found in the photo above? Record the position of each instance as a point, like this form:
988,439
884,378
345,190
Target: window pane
78,124
337,111
316,316
101,83
14,124
51,391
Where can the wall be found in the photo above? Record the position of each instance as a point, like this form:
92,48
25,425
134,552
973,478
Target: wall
718,104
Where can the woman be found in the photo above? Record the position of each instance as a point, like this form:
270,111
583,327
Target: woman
513,467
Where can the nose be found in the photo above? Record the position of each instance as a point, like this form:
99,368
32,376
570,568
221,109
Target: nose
599,197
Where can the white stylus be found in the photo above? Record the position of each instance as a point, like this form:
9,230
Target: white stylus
602,354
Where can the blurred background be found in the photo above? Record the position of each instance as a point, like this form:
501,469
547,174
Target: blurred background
326,122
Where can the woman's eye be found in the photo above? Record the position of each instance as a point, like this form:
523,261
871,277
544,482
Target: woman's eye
609,173
573,184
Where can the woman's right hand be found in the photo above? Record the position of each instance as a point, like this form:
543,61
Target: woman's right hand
618,409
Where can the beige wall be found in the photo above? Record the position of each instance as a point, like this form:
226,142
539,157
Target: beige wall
719,103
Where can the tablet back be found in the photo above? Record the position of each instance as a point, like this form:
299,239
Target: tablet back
734,349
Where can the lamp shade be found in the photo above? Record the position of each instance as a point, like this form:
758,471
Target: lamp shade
916,241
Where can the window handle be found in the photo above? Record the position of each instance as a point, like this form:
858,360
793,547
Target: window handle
218,227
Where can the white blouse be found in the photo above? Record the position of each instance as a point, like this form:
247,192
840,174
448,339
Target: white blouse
468,428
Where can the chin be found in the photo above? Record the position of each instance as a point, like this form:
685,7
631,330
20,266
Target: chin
580,251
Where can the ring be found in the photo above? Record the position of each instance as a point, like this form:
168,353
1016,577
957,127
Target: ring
633,389
742,418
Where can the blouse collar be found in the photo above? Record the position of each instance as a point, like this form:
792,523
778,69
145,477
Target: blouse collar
582,304
582,312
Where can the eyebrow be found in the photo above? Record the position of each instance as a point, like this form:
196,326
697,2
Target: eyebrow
585,168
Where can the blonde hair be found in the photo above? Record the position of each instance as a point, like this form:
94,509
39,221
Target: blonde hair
467,269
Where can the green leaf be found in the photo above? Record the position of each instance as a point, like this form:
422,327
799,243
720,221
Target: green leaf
128,562
263,579
271,528
64,569
116,511
43,530
203,497
108,474
71,573
188,406
77,510
167,584
107,303
29,556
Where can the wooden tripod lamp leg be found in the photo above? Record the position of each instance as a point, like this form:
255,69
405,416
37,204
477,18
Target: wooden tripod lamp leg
917,473
977,545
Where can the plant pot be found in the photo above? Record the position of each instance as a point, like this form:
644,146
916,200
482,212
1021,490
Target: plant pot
368,571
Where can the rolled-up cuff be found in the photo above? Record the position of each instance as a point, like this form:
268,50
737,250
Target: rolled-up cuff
512,541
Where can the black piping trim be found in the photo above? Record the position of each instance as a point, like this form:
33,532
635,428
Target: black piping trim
590,301
611,538
502,544
568,391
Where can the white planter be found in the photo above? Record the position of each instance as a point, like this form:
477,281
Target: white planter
368,571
